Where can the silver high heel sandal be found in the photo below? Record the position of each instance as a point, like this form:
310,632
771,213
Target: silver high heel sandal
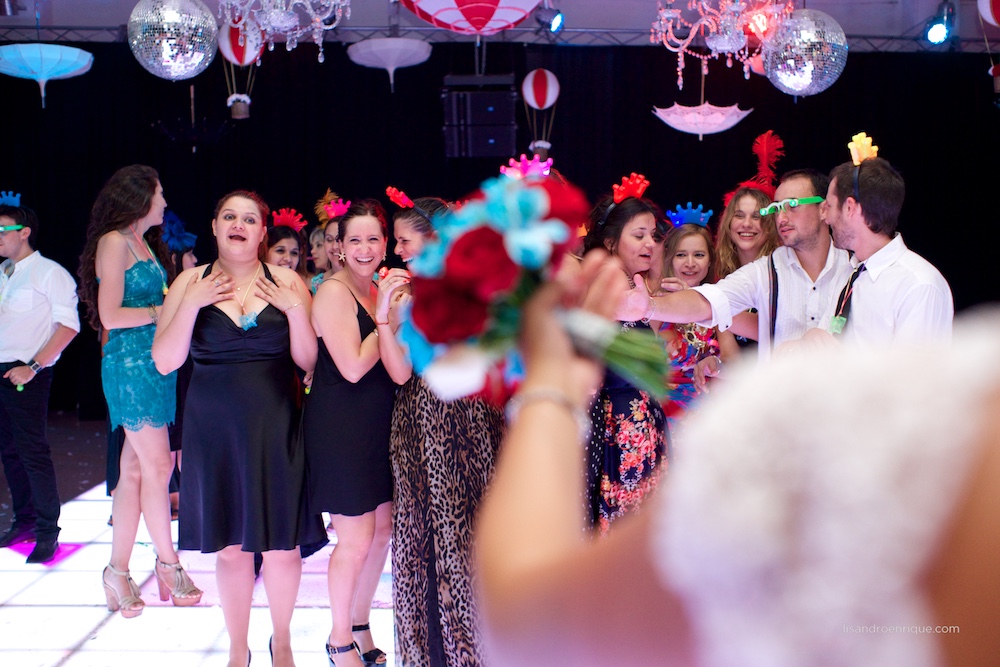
184,593
131,605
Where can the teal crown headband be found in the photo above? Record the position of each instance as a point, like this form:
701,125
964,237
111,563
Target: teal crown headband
690,216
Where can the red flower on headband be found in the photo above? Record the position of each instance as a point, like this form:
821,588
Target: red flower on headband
289,217
447,314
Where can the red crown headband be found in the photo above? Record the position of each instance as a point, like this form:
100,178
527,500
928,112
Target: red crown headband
768,147
399,198
335,209
289,217
633,185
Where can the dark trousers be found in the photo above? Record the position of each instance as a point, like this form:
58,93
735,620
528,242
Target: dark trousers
24,450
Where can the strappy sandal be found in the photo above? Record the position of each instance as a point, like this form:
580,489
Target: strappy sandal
337,650
373,658
131,605
184,593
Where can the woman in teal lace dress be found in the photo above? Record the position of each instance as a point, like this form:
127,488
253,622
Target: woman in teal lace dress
123,282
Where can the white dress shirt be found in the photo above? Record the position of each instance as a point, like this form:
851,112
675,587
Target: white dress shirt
38,296
802,303
899,298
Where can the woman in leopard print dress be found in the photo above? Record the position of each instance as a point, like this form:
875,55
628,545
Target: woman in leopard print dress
442,459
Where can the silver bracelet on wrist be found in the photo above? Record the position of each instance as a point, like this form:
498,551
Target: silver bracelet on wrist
560,398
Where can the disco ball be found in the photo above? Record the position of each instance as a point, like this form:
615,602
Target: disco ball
807,53
173,39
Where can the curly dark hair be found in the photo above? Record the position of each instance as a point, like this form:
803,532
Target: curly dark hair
124,199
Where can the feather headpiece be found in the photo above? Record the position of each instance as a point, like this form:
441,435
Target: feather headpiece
768,147
320,207
289,217
174,234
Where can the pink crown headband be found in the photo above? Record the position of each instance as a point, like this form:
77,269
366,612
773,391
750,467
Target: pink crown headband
525,168
335,209
399,198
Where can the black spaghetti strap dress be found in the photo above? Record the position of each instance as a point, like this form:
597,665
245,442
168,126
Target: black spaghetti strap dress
346,428
244,466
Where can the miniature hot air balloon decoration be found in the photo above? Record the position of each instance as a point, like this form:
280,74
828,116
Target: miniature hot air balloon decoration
540,90
241,51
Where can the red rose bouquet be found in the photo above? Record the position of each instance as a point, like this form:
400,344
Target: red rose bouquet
471,283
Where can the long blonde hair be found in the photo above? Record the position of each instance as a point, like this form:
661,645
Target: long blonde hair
726,254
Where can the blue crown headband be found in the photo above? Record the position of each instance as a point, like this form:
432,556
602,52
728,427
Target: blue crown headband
9,198
690,216
174,235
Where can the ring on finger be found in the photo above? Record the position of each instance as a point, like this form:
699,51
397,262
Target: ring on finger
217,283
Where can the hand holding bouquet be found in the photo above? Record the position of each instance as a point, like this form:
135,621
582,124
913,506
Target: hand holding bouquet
470,286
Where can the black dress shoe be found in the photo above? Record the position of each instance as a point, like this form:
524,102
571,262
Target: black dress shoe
43,552
18,532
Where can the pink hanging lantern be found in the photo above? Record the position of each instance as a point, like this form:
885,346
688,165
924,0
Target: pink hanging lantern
240,48
472,17
990,11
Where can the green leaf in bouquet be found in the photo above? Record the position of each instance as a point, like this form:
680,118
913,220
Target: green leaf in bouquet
640,357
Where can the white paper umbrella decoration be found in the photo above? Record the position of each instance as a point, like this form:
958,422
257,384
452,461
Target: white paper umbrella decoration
44,62
703,119
389,53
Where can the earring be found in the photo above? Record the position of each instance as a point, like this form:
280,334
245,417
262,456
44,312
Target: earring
342,257
384,255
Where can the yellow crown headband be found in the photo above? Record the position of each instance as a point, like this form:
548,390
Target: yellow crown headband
862,149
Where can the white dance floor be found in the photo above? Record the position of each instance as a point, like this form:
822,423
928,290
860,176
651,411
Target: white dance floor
55,614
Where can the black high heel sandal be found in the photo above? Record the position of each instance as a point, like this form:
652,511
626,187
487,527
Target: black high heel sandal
337,650
373,658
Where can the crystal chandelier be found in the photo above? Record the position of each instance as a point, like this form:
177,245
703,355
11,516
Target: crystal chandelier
737,29
284,17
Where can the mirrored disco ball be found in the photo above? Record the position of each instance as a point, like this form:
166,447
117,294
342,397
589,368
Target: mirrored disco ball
173,39
807,53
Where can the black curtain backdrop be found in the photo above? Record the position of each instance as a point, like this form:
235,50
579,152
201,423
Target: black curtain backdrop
337,125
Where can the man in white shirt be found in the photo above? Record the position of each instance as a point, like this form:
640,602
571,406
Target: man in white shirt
896,295
794,290
38,319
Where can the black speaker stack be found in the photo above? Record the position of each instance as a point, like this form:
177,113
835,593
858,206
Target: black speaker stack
479,115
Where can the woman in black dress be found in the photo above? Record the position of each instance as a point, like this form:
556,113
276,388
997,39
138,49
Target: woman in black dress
246,325
346,423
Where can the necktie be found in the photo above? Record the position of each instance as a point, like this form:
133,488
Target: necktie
843,311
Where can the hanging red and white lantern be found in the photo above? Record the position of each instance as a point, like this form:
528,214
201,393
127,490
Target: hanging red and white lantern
472,17
240,48
540,89
243,54
990,11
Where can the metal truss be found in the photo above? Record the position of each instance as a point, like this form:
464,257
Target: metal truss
569,36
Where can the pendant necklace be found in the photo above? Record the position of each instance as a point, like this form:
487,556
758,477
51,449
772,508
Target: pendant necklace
149,251
248,320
